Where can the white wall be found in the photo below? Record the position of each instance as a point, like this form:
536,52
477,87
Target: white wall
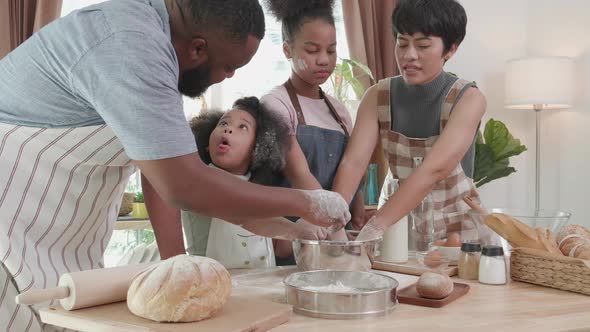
501,30
560,28
495,35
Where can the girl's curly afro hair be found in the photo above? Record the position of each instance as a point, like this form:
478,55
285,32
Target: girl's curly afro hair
293,13
271,142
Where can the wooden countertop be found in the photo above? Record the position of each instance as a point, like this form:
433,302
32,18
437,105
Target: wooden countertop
512,307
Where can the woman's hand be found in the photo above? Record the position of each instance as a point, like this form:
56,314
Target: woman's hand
373,230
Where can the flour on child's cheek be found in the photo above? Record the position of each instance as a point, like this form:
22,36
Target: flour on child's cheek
299,64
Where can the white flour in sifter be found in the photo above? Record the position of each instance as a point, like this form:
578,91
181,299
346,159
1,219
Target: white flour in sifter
337,287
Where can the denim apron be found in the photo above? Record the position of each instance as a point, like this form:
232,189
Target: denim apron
323,148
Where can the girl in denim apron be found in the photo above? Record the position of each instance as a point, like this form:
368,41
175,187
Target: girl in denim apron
424,113
320,125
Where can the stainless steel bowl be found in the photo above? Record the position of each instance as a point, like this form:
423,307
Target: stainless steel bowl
336,255
341,294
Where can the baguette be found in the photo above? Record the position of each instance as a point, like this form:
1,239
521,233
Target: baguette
519,234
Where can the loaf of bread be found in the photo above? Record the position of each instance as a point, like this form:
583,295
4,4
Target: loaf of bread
180,289
519,234
574,241
434,285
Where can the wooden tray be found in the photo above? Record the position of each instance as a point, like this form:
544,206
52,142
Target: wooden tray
409,295
411,267
240,314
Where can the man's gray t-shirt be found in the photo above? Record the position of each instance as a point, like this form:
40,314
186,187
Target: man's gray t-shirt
110,63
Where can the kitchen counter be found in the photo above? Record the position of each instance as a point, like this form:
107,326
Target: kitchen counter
257,296
513,307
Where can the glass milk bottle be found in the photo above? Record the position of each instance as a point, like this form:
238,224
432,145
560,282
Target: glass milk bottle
423,232
394,248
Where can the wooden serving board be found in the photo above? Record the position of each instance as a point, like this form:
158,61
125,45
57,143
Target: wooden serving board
411,267
240,314
409,295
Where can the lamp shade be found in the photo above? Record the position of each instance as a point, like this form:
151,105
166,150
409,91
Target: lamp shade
543,81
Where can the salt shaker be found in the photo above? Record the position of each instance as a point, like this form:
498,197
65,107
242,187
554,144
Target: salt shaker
492,266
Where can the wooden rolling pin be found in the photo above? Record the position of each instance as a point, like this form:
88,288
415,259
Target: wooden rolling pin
89,288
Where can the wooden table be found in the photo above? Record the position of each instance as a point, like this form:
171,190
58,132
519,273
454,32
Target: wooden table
512,307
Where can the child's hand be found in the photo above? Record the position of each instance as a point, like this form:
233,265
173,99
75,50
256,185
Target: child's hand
309,231
358,221
327,209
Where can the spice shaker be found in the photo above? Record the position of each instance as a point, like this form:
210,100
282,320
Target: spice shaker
469,261
492,266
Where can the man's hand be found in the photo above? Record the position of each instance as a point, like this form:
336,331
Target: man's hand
309,231
327,209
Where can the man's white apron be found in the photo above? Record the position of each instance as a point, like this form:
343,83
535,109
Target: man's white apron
60,191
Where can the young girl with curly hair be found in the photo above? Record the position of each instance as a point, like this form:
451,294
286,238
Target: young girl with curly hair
249,142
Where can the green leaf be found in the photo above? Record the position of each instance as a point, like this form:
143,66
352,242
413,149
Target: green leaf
347,72
513,148
138,197
492,152
479,137
485,165
501,141
495,135
343,78
496,175
365,69
358,87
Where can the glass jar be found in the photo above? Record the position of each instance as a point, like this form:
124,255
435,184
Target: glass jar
469,261
423,230
492,266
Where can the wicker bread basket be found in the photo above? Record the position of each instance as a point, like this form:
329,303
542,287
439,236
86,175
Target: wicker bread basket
126,204
545,269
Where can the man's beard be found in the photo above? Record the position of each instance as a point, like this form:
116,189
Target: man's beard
194,82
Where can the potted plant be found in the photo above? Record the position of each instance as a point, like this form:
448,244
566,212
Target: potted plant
139,209
343,79
493,149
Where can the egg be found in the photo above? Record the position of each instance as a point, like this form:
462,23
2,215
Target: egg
433,259
439,242
453,240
